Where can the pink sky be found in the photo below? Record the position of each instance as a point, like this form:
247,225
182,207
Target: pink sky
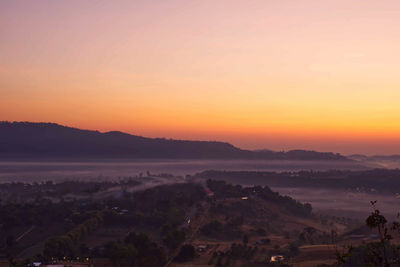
281,74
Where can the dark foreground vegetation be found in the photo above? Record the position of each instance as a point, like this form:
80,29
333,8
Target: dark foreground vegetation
48,222
204,222
384,251
157,208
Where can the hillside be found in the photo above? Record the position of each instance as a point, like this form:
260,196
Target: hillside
50,140
217,220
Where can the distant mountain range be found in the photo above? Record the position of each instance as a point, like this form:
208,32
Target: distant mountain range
49,140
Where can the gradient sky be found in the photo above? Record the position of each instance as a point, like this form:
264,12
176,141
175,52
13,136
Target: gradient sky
280,74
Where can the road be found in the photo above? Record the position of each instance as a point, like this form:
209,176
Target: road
188,222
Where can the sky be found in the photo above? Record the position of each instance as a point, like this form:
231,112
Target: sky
287,74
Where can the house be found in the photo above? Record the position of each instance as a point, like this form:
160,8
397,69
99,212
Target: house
201,248
275,258
209,193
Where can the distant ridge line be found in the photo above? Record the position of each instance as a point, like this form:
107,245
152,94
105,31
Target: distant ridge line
51,140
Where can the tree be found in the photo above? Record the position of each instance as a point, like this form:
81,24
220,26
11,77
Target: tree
10,241
381,253
245,239
293,248
307,234
174,238
261,232
187,253
213,228
137,250
378,221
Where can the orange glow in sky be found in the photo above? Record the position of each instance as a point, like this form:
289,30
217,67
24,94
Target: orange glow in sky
305,74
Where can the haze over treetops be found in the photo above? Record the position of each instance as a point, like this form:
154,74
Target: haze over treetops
319,75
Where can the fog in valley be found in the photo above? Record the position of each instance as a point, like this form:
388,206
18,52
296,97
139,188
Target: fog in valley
111,170
348,203
343,203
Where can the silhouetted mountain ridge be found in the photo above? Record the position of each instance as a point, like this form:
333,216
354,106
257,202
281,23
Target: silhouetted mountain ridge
41,140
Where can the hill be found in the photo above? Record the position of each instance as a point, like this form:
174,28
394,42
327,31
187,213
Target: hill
50,140
245,224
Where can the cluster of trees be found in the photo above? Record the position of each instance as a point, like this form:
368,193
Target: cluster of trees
225,190
30,192
68,245
173,238
218,230
365,180
156,207
136,250
14,215
162,209
290,204
186,253
16,218
244,255
237,253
